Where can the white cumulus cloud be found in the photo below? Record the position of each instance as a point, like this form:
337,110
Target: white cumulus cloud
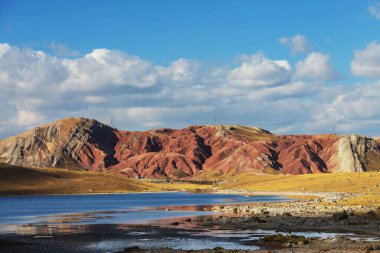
103,68
179,72
366,62
353,111
316,67
134,94
257,70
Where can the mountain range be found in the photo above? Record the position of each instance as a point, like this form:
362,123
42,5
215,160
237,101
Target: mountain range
81,143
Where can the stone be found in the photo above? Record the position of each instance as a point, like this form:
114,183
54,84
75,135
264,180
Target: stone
340,215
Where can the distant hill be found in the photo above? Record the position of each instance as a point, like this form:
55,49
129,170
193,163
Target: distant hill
217,150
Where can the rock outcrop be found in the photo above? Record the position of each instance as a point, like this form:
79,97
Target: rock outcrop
352,150
72,142
170,153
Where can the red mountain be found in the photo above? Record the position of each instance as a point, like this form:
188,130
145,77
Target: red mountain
170,153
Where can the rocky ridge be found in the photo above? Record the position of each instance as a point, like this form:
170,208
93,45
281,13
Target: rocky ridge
170,153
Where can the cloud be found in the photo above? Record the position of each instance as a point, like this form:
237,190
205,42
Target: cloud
180,71
154,117
134,94
366,62
298,44
257,70
29,72
374,9
289,90
354,111
25,118
4,48
102,69
62,50
95,99
316,67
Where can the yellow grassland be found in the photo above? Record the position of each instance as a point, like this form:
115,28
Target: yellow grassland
366,184
21,180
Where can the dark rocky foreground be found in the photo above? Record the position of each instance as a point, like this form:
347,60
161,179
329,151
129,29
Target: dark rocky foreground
302,215
284,245
78,242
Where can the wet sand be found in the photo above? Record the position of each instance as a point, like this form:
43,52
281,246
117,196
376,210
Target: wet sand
88,241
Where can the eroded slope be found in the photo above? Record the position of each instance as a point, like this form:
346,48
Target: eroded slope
187,153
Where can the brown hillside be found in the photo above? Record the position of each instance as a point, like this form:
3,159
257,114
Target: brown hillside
169,153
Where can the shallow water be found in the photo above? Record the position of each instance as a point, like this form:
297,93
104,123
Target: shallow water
86,217
141,208
189,243
245,235
242,239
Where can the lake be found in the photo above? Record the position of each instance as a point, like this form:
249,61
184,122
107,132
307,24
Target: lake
113,220
112,208
110,222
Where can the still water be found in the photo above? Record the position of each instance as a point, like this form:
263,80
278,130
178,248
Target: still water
108,222
111,222
112,208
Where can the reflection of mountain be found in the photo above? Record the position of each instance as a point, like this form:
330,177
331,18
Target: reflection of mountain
168,153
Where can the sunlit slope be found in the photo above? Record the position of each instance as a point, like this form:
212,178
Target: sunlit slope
219,151
21,180
367,184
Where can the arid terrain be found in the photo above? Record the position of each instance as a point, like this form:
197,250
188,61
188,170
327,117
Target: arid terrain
188,153
17,180
333,203
332,181
359,189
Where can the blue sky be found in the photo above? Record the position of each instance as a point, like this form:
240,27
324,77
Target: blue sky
288,66
163,31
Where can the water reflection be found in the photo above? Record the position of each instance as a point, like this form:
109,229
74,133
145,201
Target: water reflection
112,222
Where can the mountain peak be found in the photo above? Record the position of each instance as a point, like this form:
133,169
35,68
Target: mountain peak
60,143
197,149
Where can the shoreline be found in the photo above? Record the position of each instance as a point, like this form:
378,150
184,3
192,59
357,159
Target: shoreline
85,194
321,214
290,218
205,191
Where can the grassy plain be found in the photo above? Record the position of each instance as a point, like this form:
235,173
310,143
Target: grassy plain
21,180
367,184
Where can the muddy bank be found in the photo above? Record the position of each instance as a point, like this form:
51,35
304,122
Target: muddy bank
288,245
99,237
300,215
358,227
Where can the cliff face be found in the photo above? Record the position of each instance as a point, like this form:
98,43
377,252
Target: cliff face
170,153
